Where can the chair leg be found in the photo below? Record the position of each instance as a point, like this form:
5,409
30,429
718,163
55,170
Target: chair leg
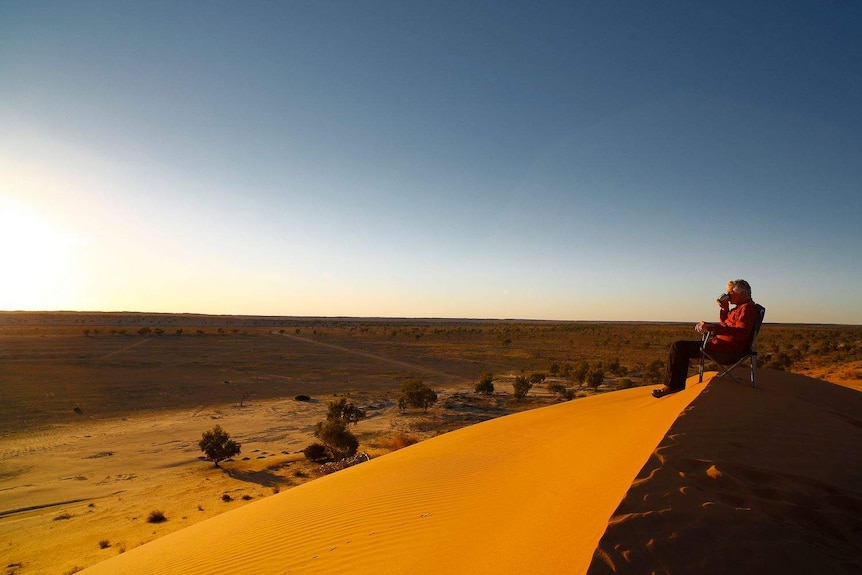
754,371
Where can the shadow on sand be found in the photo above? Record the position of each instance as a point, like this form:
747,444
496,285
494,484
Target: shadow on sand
264,478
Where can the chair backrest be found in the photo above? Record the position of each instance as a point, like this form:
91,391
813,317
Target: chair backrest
761,311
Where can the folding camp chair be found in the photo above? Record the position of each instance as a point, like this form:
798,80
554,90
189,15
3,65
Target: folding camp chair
730,361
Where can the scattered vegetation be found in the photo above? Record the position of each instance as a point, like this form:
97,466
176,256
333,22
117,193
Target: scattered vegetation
63,517
104,544
561,349
218,446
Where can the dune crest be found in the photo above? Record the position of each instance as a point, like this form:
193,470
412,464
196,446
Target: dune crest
527,493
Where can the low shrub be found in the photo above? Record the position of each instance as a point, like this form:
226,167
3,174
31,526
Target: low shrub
521,387
398,441
337,440
486,384
302,397
563,392
316,452
104,544
156,516
624,383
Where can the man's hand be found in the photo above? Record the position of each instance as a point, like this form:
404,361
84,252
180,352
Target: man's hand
702,326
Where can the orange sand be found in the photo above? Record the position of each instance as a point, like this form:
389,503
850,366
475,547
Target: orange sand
526,493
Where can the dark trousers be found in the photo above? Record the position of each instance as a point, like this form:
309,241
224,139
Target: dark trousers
677,362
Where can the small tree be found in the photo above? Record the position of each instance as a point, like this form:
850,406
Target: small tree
486,384
414,393
521,387
339,442
346,412
595,378
246,393
217,445
579,374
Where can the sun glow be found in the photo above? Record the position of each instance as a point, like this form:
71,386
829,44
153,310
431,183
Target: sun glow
39,260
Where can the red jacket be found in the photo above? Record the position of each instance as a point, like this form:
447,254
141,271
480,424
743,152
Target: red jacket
734,332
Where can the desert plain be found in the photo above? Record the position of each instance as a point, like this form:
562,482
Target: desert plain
101,415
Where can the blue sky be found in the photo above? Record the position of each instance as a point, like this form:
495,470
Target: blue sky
583,160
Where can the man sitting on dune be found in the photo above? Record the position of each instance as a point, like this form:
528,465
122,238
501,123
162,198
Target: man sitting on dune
730,335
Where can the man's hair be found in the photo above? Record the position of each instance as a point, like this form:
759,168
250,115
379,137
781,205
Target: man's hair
739,286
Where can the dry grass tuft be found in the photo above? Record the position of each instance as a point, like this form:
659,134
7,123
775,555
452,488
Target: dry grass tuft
397,441
156,516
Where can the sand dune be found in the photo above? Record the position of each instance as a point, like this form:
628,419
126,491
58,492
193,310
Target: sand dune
742,481
526,493
748,481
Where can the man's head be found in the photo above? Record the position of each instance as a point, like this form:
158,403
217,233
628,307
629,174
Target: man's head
740,287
